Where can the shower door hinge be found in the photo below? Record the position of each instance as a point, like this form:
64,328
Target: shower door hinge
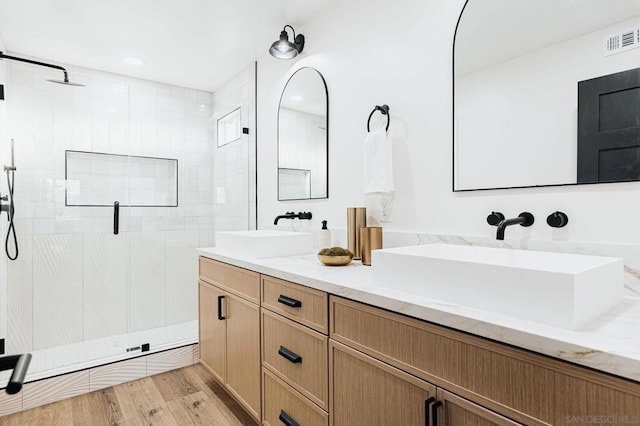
1,92
1,346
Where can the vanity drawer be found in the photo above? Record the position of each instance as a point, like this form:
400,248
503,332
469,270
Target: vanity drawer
241,282
278,399
299,303
296,354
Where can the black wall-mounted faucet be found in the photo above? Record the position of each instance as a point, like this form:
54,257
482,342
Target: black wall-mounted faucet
524,219
292,215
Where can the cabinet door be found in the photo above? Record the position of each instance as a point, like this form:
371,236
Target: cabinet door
243,352
456,411
365,391
212,331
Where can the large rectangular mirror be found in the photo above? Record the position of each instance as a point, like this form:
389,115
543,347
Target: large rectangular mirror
546,92
303,137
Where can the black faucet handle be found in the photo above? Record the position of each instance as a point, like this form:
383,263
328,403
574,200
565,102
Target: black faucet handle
495,218
557,220
305,215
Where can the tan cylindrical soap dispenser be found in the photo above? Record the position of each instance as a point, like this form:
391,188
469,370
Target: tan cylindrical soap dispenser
370,239
356,219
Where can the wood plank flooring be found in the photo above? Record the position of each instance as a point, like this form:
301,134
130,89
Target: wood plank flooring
188,396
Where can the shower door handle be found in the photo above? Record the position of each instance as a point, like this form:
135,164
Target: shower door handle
116,218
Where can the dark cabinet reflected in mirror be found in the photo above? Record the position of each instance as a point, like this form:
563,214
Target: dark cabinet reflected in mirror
303,137
546,92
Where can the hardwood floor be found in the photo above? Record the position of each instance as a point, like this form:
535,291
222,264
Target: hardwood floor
188,396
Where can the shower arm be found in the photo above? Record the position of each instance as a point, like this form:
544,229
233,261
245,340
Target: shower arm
42,64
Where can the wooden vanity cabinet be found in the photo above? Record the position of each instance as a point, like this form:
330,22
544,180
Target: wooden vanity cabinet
266,341
476,376
229,330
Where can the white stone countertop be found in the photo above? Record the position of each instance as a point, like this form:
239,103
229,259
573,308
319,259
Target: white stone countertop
610,344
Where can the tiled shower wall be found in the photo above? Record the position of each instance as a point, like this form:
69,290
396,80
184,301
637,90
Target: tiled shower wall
74,280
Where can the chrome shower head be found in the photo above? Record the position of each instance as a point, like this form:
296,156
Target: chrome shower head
67,82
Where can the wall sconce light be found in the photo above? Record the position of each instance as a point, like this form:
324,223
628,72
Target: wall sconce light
283,48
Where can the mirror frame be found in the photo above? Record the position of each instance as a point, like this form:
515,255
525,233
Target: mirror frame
453,131
326,93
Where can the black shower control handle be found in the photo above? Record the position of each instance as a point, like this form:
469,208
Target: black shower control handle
557,220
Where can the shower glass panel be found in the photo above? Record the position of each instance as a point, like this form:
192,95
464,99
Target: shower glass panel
80,295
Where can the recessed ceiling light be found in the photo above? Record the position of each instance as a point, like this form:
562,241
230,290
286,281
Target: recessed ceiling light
133,61
297,98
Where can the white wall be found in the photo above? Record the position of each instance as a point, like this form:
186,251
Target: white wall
400,53
523,112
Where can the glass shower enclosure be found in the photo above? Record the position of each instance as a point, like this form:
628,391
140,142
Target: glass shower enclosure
115,187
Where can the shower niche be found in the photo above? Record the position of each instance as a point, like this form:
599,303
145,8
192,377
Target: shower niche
99,179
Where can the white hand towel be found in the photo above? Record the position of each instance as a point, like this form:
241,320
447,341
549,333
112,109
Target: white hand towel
378,165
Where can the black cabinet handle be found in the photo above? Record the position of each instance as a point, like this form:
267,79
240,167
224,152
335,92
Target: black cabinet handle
220,316
116,217
289,301
434,413
290,355
287,419
427,407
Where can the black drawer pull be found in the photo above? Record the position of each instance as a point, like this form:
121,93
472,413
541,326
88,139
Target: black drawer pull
287,419
290,355
289,301
220,315
434,412
427,410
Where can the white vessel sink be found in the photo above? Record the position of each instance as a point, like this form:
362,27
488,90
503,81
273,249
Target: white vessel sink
266,243
563,290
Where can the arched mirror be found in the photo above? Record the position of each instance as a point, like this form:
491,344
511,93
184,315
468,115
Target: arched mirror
546,92
303,140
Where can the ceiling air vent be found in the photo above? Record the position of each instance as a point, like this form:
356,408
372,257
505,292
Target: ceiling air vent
622,41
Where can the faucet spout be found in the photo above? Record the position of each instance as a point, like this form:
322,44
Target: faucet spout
292,215
524,219
287,215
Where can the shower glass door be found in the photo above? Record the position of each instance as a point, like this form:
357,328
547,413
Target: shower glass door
67,293
88,289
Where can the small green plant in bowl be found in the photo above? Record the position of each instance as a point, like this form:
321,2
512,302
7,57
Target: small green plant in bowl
335,256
